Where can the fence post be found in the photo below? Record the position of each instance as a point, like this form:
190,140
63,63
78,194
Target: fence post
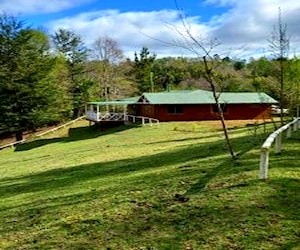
295,126
143,120
278,143
289,132
264,163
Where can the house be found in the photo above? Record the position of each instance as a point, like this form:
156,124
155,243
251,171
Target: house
192,105
200,105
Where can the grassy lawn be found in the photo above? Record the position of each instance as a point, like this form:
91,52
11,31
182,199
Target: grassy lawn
171,186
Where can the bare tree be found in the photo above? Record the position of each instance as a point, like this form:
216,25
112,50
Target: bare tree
203,49
107,49
279,44
107,54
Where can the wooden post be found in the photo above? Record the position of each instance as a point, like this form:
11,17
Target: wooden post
264,164
278,143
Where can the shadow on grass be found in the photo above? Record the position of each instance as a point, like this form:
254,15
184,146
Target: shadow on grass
63,177
75,134
160,221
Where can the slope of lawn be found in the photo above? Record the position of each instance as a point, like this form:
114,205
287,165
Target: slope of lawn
171,186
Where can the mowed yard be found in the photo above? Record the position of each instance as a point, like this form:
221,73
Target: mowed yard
171,186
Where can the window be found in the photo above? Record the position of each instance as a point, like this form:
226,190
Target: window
223,107
175,109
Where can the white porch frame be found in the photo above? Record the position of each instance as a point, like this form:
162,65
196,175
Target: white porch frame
110,111
98,112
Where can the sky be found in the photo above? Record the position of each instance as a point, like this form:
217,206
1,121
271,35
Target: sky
242,28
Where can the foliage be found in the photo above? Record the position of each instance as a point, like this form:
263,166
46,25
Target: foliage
25,97
104,70
71,47
149,188
143,70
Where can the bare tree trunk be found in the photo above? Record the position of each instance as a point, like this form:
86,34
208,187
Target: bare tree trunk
281,91
209,78
279,42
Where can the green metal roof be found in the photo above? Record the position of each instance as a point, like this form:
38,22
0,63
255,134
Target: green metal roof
192,97
205,97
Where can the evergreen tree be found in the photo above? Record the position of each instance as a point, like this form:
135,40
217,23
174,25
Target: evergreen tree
25,99
143,70
71,47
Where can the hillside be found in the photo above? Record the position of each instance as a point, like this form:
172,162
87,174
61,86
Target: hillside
171,186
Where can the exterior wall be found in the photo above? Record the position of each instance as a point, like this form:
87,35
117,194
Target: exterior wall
248,111
204,112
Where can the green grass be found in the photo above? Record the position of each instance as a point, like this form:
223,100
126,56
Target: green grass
171,186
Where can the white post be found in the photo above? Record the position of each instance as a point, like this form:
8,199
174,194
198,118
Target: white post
289,132
143,120
264,164
295,126
278,143
97,113
125,110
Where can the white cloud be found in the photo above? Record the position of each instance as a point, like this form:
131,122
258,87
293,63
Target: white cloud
250,23
243,29
15,7
133,30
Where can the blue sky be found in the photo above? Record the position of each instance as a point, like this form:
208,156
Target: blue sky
190,7
242,27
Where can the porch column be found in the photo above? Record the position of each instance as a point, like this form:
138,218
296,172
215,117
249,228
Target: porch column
124,112
98,117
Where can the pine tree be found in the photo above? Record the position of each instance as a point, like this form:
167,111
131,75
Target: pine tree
143,70
25,98
71,47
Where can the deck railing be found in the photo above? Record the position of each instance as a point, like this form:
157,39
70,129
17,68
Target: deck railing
142,119
105,116
277,136
111,116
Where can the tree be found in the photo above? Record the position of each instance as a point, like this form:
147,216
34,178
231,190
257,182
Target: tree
71,47
204,50
107,55
25,99
143,70
279,44
107,49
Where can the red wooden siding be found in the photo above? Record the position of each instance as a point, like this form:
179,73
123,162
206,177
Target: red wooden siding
197,112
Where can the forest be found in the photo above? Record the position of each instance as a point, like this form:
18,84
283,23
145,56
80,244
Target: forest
46,79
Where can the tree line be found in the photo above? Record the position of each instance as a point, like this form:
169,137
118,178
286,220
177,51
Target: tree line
46,78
